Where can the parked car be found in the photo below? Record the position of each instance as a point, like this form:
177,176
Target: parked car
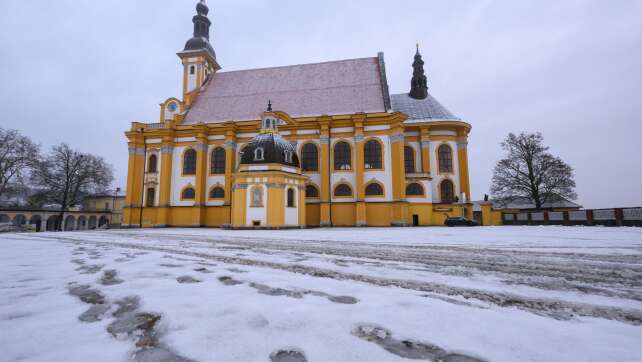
459,221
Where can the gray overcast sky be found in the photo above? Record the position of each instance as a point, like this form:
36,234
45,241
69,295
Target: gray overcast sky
80,71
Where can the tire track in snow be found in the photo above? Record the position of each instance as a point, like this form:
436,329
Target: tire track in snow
561,310
547,271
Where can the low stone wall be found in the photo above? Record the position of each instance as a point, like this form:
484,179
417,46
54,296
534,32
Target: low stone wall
607,217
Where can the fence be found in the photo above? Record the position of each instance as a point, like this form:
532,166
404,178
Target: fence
608,217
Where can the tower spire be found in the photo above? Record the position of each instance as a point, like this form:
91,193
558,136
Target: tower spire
201,39
419,82
198,56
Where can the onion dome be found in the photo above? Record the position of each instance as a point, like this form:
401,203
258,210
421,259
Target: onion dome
201,39
202,9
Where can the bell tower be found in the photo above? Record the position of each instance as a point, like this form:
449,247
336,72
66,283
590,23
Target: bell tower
198,56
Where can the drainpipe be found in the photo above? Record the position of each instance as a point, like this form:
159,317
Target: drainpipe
142,189
330,173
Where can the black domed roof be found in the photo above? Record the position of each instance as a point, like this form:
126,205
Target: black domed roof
274,150
200,43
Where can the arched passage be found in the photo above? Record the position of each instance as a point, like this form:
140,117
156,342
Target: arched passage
102,221
4,219
53,222
70,223
82,223
19,220
92,222
36,222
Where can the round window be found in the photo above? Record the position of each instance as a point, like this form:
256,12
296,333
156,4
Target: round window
172,106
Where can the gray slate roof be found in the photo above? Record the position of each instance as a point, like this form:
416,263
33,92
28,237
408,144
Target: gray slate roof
420,109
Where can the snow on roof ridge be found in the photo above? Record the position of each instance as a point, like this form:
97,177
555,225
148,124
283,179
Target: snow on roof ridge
296,65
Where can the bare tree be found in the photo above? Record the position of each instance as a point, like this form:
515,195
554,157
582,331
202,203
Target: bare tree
66,176
530,171
17,154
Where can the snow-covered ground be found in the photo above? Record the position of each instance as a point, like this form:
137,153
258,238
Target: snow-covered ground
374,294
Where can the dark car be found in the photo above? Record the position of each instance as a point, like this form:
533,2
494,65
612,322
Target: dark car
459,221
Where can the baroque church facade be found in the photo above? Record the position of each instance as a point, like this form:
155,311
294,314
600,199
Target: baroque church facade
321,144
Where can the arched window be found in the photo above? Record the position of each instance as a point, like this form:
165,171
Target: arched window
372,154
310,157
152,166
256,196
151,196
409,159
189,162
311,191
217,193
192,69
445,155
342,156
217,161
374,189
414,189
287,155
291,194
258,154
447,192
343,190
188,194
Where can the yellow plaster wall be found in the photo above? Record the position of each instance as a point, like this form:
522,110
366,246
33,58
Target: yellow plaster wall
424,211
149,216
378,214
343,214
275,206
312,214
217,216
181,216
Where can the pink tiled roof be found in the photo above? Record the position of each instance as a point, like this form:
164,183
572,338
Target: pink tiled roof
331,88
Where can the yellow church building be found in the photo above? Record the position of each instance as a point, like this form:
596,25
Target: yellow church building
321,144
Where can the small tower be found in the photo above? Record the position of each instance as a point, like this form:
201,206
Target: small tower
268,187
198,56
419,83
269,122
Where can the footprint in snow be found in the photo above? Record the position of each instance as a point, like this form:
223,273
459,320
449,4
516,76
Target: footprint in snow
288,355
89,269
110,278
229,281
408,348
186,279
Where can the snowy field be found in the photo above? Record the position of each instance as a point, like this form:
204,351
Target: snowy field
374,294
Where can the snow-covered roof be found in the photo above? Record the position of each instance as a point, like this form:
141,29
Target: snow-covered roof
330,88
420,109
